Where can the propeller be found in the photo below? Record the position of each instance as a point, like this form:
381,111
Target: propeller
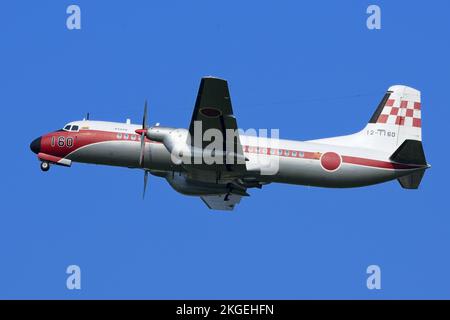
145,183
143,132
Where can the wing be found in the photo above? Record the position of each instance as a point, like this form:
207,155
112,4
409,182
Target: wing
222,202
213,111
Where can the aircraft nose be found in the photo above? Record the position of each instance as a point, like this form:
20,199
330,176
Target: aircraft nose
35,145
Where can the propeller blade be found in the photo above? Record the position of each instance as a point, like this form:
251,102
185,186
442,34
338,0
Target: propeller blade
144,118
143,132
141,156
145,183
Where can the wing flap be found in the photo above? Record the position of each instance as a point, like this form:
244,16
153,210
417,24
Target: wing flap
224,202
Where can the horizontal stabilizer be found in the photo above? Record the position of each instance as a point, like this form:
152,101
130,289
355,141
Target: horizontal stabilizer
412,181
410,152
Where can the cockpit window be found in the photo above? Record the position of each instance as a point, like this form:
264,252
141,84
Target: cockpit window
67,127
74,128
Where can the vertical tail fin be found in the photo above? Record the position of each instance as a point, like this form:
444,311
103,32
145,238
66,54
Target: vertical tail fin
396,119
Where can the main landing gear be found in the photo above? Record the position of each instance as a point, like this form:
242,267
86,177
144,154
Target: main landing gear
45,166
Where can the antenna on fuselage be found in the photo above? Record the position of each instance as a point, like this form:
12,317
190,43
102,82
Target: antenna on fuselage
87,116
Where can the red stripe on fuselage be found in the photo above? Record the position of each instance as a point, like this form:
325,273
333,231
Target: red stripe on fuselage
50,142
377,163
345,159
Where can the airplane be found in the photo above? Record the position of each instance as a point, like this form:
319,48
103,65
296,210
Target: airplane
389,147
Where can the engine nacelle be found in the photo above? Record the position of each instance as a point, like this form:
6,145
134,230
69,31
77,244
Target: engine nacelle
175,141
178,142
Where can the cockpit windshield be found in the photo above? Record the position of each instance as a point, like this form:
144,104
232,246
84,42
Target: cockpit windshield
70,127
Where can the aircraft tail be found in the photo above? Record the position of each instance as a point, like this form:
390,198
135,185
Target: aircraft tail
395,129
397,118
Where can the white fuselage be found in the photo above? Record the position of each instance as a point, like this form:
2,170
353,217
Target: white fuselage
315,163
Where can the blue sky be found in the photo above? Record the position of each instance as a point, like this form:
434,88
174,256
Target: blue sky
311,69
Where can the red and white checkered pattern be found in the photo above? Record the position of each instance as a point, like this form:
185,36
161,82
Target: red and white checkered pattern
402,113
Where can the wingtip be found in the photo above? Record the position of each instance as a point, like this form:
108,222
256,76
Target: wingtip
214,78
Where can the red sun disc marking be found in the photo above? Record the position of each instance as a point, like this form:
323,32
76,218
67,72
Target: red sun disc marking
330,161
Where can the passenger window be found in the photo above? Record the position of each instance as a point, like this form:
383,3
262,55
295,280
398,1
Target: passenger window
74,128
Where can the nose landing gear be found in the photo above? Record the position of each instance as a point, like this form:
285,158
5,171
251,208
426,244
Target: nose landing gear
45,166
